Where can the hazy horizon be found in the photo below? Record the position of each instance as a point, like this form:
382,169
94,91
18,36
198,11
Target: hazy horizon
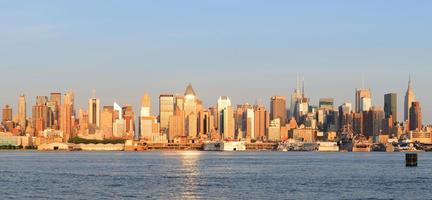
246,51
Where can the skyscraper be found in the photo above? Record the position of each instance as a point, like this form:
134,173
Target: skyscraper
250,123
409,98
223,103
415,117
278,109
190,102
40,114
22,112
326,103
205,125
262,121
119,126
7,113
94,111
129,117
363,100
56,97
145,105
227,123
107,118
54,106
373,121
390,106
67,111
166,109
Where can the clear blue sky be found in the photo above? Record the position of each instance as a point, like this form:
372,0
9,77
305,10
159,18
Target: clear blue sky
247,50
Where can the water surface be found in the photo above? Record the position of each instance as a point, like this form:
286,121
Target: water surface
212,175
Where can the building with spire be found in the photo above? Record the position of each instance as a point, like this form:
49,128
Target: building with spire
409,99
296,96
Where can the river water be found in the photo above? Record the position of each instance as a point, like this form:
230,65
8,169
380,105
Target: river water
212,175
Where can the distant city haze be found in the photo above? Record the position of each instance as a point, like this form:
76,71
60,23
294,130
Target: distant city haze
247,50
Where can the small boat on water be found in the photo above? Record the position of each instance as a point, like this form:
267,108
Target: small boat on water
361,144
328,147
225,146
297,146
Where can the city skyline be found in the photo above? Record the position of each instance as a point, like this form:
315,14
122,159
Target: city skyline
152,100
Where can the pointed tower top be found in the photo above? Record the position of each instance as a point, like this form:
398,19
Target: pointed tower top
303,88
94,94
189,90
409,82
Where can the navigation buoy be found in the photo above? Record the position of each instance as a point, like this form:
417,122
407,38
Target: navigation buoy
411,159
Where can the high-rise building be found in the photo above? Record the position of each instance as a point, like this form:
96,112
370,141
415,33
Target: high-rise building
278,109
56,97
302,108
145,110
83,122
40,115
250,123
147,121
179,102
205,122
274,130
345,116
176,125
119,128
363,100
223,103
409,98
7,113
119,125
390,106
326,103
166,110
22,112
118,111
94,111
227,118
415,117
261,123
41,100
54,106
190,101
107,118
373,121
191,125
52,114
66,116
148,128
129,117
